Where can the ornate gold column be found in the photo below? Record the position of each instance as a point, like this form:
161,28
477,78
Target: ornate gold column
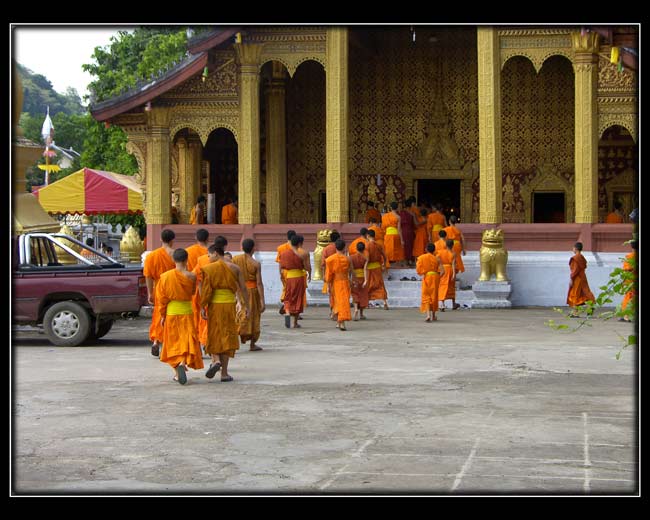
489,125
248,55
336,85
276,148
189,171
194,158
586,126
158,206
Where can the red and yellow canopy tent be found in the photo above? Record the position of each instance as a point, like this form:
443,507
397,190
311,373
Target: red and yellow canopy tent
92,192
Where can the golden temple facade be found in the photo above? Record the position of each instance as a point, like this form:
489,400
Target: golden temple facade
308,124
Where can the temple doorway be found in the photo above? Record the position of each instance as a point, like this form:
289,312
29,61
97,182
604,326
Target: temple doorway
221,153
445,192
549,207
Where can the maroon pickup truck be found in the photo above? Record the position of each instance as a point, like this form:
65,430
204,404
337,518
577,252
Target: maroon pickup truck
76,297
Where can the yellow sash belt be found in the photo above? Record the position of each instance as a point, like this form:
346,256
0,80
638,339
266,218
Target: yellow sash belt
295,273
358,273
431,273
373,265
456,242
223,296
447,265
179,307
437,227
392,231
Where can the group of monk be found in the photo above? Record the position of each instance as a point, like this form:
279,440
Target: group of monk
203,300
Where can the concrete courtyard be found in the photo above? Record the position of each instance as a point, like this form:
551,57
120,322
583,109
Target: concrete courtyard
480,402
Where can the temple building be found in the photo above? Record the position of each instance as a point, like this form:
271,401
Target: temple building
305,125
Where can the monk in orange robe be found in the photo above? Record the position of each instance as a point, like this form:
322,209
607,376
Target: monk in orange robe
293,262
339,269
174,293
283,247
393,241
328,250
631,266
616,216
249,327
447,287
155,264
379,233
219,284
229,213
307,269
202,324
579,291
372,212
363,238
441,243
435,222
453,233
197,215
359,283
430,269
199,249
421,236
376,267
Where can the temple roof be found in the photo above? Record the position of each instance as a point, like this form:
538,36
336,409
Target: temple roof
143,92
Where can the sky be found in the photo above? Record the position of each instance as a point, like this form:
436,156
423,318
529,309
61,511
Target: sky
58,52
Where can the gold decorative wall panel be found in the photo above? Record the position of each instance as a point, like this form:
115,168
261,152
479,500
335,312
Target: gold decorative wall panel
535,44
537,127
618,163
305,104
394,86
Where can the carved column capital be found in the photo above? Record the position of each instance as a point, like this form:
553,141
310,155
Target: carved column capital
585,44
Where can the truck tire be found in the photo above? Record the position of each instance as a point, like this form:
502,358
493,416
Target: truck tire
102,330
66,324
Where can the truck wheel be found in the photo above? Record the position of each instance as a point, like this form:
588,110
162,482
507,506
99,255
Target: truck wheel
66,324
102,330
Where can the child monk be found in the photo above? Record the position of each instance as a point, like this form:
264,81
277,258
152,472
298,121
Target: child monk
339,269
447,288
359,281
180,340
579,291
430,269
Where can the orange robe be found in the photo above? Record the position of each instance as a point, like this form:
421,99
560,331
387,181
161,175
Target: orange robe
294,295
201,324
631,294
372,212
359,292
441,245
223,331
193,254
453,233
421,237
447,287
353,246
338,274
435,222
196,218
579,292
376,287
379,234
283,247
229,214
249,328
426,265
392,243
614,218
304,303
180,339
155,264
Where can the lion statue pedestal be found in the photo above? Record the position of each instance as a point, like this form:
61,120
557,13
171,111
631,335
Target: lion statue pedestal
488,293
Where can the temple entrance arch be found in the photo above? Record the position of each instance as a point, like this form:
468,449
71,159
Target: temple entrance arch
221,153
618,157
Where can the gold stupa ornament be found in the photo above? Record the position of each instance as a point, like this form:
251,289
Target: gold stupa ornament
131,247
62,255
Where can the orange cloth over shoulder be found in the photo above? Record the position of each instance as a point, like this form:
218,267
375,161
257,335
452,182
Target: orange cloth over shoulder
614,218
229,214
392,243
249,328
453,233
180,339
428,263
376,287
294,295
155,264
373,213
359,292
447,287
579,291
338,272
193,253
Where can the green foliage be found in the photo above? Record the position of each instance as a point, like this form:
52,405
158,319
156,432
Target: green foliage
620,281
136,220
105,149
132,57
38,94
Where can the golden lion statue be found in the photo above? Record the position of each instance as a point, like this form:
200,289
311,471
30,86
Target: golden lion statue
493,256
322,241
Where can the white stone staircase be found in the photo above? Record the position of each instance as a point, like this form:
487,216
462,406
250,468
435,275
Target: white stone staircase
400,293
